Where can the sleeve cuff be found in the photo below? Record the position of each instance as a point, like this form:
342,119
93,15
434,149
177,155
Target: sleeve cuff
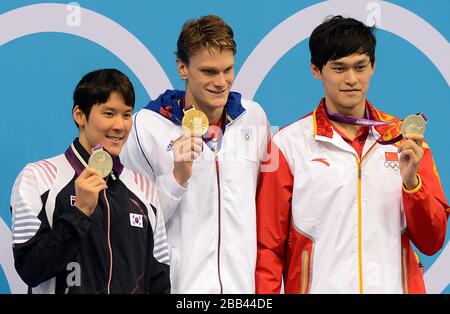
417,188
172,187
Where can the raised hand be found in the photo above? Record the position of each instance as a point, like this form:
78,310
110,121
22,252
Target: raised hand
411,154
186,149
87,187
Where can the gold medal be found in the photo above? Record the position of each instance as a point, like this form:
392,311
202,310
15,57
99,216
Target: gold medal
196,121
101,161
413,124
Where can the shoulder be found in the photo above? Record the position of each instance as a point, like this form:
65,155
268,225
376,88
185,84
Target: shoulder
254,109
141,185
301,128
148,124
145,118
43,172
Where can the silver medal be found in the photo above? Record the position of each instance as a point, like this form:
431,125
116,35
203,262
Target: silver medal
101,161
413,124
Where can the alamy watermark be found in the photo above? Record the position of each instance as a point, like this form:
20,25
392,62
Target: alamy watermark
73,18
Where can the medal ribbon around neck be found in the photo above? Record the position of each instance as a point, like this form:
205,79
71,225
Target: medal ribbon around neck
411,124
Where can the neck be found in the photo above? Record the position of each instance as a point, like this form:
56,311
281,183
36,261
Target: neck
358,111
84,142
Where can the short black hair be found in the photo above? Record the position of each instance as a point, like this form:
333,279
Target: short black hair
338,37
96,88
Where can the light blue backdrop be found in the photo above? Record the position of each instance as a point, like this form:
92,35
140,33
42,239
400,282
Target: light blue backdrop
39,72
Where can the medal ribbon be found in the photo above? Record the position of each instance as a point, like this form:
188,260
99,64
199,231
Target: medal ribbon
341,118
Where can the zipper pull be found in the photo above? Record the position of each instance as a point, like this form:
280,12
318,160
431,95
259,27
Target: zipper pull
113,176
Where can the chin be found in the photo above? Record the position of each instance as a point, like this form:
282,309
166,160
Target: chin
113,150
219,102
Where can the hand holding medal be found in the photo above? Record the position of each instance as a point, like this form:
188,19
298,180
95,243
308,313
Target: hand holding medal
411,151
189,145
91,181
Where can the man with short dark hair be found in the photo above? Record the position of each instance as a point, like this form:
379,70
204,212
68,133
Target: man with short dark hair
82,223
350,192
207,183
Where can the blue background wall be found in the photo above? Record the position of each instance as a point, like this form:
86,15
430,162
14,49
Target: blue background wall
38,73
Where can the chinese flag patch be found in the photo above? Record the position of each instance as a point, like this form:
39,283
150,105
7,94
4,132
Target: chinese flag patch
391,156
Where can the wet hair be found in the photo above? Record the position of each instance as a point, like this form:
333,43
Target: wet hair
339,37
208,31
96,88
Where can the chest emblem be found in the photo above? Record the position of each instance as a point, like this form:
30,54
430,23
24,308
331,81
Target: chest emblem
136,220
247,134
322,160
391,161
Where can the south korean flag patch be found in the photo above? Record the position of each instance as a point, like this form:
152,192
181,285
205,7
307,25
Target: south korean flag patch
136,220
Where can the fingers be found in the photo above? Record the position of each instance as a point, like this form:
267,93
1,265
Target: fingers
408,154
418,138
98,187
90,179
189,133
88,172
188,146
94,181
411,144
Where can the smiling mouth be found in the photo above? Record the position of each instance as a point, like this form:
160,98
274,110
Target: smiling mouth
116,139
216,92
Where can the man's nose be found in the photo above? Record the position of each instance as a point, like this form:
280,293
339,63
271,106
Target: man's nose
351,77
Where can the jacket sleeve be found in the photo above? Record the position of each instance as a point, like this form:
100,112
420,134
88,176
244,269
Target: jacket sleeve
158,269
426,208
41,251
138,153
263,146
273,203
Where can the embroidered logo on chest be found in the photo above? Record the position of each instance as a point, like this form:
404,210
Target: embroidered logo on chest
247,134
391,161
136,220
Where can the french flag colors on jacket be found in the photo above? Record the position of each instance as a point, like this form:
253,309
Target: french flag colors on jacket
332,222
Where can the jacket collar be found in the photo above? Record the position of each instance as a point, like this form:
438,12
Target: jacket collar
78,157
168,105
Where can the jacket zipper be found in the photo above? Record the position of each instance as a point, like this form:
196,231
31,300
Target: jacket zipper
219,214
108,222
360,264
405,271
305,258
360,261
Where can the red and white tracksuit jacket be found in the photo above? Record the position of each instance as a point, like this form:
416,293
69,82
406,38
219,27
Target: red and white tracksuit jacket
331,222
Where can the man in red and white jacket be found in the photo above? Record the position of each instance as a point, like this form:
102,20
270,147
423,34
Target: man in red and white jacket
339,213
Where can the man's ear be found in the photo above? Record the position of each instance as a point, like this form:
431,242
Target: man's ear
78,116
182,69
316,72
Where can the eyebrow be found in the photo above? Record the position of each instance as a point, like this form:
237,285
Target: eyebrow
113,108
356,63
207,67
